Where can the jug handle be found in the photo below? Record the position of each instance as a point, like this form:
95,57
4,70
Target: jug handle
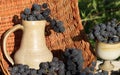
16,27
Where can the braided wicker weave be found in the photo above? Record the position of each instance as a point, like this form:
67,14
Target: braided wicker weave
65,10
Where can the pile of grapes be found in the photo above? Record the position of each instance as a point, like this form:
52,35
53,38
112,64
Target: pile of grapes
74,61
42,12
73,65
46,68
106,32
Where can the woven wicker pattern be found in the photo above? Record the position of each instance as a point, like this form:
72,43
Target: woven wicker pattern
65,10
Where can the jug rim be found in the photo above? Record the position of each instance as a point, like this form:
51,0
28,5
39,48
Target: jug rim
32,21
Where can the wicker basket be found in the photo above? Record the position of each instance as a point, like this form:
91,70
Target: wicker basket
65,10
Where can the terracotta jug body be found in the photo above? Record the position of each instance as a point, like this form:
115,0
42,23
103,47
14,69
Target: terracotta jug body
33,49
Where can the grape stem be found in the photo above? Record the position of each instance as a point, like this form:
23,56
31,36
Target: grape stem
118,23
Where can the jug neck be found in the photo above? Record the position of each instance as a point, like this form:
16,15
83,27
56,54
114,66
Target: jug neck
31,24
33,35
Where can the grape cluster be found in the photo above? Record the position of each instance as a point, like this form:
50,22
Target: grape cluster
57,26
106,32
20,69
74,64
37,12
56,67
42,12
74,61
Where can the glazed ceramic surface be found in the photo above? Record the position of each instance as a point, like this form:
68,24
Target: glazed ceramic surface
108,51
33,49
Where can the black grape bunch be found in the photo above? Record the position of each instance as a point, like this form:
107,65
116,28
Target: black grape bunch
55,67
42,12
74,62
106,32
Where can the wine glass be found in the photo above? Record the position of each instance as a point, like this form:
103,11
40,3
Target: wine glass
107,52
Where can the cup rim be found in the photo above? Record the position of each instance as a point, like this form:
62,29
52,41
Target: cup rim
107,43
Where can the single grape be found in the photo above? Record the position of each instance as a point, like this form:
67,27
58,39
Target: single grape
40,17
36,7
114,32
91,35
86,69
92,68
53,23
103,33
44,5
100,38
23,16
118,28
35,13
31,18
44,65
61,29
116,39
97,28
96,33
27,11
108,28
110,41
93,63
102,26
46,12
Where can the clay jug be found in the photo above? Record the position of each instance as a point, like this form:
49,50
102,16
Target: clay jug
33,49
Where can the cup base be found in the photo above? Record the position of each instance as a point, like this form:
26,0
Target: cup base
107,66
